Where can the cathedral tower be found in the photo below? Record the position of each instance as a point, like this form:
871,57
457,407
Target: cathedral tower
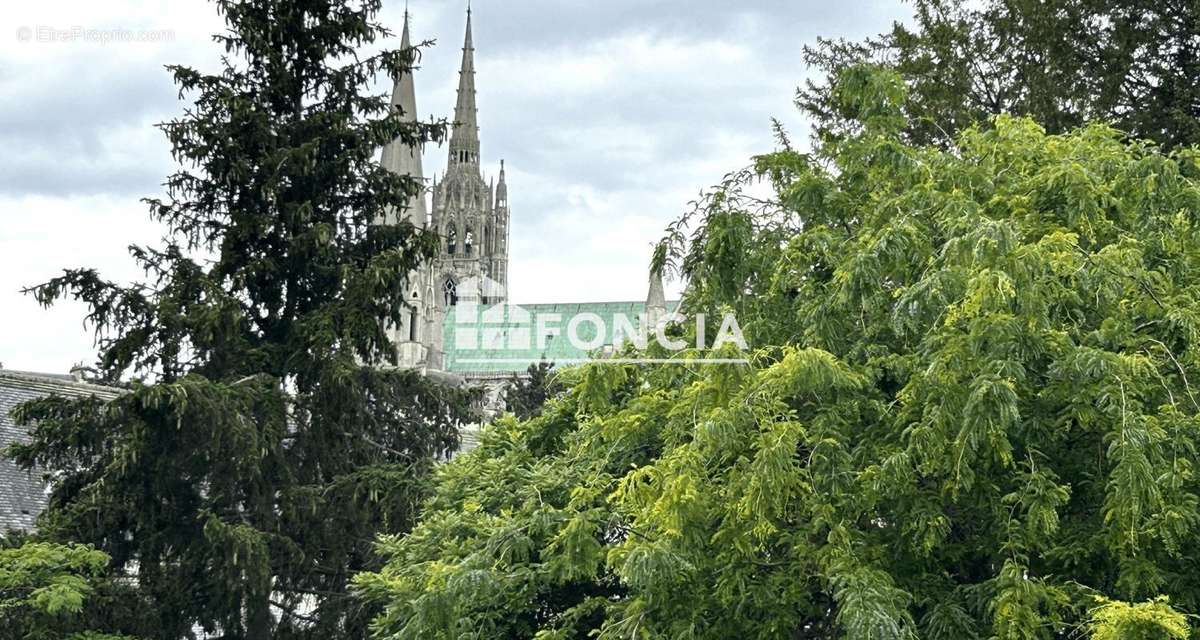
399,157
412,336
470,216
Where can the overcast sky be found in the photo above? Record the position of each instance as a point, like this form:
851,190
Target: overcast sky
611,116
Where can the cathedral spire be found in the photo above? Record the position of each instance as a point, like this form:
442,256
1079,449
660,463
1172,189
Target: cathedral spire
656,301
398,156
502,188
464,140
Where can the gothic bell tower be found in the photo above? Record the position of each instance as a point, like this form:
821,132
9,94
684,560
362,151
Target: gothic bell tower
469,214
412,336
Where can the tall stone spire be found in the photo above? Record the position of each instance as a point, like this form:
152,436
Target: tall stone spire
398,156
464,139
656,300
502,188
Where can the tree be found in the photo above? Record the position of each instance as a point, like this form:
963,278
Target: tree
1063,62
265,441
44,588
970,412
525,396
1152,620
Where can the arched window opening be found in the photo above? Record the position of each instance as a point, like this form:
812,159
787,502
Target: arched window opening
451,239
468,242
413,316
450,291
489,246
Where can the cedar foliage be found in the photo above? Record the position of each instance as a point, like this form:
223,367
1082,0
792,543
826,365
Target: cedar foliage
264,441
971,412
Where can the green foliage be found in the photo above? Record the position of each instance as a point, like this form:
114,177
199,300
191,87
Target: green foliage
1135,63
264,440
969,411
1150,620
43,589
525,396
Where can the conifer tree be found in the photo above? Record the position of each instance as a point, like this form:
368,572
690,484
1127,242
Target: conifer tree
1133,63
524,397
265,438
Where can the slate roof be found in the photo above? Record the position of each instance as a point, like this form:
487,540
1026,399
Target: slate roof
487,341
23,494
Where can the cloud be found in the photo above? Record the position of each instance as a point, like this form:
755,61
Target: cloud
77,111
612,116
42,236
534,25
82,133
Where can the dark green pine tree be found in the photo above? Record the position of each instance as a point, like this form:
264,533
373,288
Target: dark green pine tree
265,442
1134,63
525,396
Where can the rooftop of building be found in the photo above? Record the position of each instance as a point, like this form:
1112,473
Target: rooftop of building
23,493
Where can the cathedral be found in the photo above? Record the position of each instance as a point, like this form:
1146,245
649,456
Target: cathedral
471,216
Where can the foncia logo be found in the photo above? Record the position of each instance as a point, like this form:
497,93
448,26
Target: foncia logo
511,334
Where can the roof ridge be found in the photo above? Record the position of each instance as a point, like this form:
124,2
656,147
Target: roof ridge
55,382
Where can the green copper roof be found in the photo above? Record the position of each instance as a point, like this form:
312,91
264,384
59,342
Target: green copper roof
504,338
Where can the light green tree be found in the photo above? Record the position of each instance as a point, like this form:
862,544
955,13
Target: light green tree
1150,620
46,590
971,411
